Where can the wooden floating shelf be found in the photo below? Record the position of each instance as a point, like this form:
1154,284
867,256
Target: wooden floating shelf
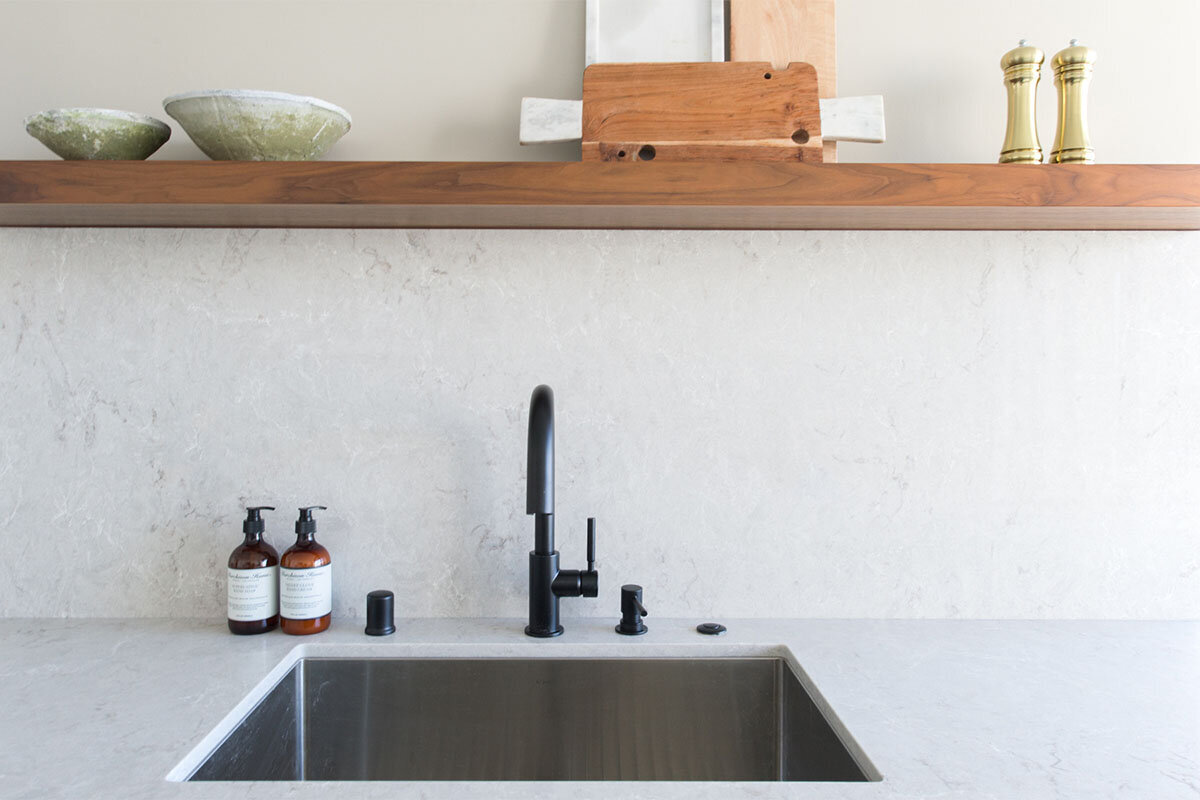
716,195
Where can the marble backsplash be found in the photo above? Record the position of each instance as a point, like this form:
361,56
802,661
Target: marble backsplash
809,424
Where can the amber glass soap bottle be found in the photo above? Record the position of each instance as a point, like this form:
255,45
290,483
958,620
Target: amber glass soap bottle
253,579
305,581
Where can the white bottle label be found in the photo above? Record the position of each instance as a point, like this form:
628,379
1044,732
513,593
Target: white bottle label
305,593
253,594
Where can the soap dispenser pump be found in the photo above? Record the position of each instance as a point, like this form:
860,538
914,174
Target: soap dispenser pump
253,579
305,580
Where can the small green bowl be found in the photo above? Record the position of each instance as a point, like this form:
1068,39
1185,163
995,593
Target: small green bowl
84,134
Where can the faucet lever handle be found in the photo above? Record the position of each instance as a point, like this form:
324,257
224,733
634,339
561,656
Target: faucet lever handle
591,546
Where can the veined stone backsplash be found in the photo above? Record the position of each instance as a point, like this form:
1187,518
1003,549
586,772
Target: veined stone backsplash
813,424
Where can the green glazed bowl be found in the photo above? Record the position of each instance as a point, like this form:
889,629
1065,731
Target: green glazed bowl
98,133
250,125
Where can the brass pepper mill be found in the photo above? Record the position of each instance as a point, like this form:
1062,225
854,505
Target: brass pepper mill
1022,70
1072,73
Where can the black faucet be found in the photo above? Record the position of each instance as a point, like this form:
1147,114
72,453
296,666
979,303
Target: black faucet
547,583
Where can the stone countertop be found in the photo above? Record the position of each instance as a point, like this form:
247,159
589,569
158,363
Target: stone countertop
947,709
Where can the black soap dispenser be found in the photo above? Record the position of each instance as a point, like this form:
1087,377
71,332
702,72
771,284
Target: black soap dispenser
632,611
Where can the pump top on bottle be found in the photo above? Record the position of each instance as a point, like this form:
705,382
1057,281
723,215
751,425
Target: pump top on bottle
306,524
254,521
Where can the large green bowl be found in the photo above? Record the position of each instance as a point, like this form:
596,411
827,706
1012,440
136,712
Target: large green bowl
248,125
98,133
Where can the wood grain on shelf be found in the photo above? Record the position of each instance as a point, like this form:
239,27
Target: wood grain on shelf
783,31
701,112
772,195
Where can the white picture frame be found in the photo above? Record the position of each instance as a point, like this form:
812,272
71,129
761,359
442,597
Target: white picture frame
654,30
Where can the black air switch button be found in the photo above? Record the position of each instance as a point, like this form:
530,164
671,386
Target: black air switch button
380,611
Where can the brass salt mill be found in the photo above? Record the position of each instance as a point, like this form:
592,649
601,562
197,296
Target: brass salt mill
1072,73
1022,70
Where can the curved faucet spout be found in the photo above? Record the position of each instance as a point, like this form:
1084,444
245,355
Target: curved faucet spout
539,499
547,583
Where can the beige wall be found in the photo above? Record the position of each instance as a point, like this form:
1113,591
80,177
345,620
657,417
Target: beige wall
442,79
890,424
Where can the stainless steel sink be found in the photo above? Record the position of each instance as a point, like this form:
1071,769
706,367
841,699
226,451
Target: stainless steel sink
572,719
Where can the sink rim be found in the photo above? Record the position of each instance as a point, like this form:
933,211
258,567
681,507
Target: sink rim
209,743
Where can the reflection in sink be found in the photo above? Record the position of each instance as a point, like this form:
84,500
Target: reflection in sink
702,719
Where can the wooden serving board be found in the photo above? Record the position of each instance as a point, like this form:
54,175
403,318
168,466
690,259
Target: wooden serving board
701,112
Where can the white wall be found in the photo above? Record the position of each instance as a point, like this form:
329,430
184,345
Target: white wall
442,79
826,424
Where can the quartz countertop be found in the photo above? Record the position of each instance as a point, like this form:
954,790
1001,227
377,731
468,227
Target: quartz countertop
946,709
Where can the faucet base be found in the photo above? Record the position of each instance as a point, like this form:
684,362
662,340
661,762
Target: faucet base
543,634
543,602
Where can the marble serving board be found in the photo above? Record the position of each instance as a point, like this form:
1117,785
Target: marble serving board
843,119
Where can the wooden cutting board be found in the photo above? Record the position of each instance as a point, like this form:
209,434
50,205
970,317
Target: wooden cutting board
783,31
701,112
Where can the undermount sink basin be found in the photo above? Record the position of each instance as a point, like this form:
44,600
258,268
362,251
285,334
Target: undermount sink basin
535,719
